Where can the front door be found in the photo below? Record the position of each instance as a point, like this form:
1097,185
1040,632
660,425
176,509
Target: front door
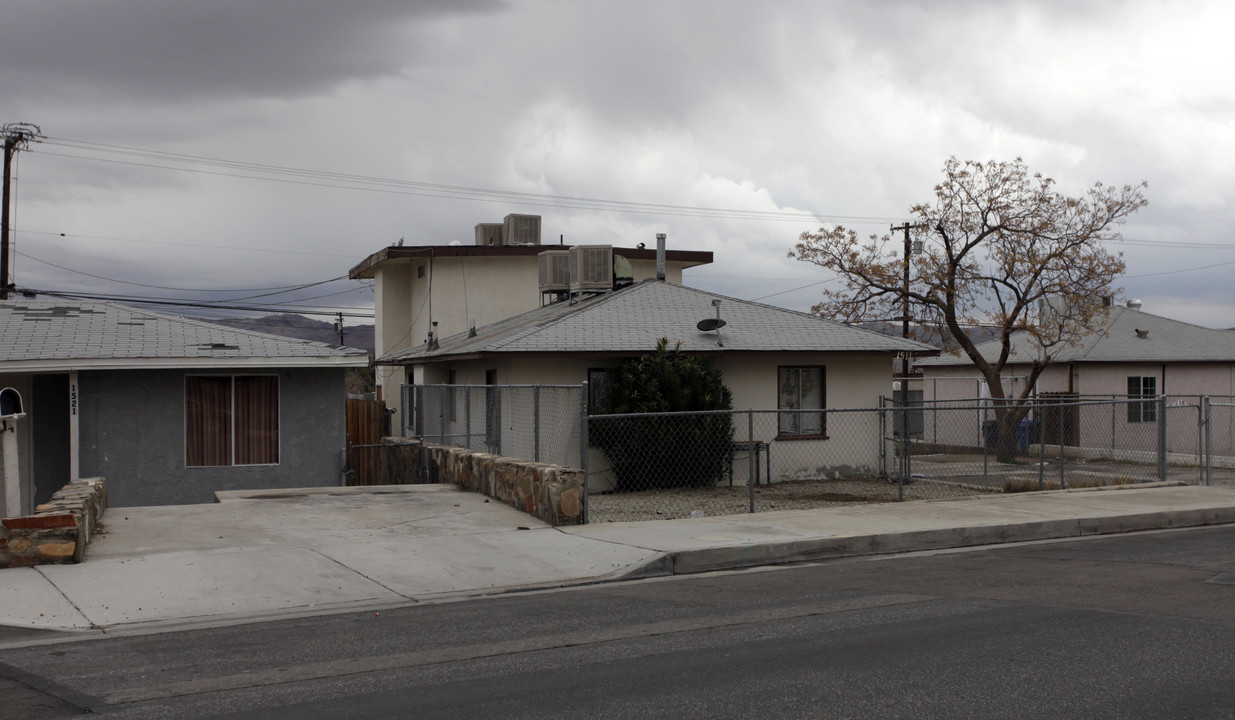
49,419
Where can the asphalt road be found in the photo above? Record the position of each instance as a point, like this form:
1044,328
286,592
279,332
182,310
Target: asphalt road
1135,626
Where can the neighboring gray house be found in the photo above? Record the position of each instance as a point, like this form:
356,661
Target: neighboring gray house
168,409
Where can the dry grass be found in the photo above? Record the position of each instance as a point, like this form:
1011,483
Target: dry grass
1032,484
790,495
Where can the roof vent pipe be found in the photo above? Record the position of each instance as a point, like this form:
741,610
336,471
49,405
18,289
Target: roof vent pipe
660,256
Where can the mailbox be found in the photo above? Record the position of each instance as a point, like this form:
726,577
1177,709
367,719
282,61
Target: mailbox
10,404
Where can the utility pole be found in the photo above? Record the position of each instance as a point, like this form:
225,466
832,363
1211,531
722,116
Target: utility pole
906,227
904,358
16,137
338,327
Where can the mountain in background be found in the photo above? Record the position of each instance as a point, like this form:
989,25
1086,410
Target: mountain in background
302,328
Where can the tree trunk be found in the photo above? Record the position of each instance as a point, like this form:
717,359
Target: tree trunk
1008,416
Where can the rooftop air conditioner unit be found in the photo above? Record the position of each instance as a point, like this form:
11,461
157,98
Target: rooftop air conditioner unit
591,268
489,234
522,229
554,271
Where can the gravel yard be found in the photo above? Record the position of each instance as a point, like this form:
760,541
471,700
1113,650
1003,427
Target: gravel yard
791,495
935,477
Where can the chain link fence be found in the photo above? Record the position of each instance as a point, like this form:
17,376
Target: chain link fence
540,423
787,460
676,465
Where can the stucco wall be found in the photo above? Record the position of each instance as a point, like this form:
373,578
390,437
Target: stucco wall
132,433
853,443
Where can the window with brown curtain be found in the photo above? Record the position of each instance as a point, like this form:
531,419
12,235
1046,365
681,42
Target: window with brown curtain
231,420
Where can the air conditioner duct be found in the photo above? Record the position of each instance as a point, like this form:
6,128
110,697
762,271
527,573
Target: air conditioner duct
591,268
521,229
554,266
490,234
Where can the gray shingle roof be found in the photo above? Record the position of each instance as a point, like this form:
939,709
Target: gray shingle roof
1128,336
38,335
634,318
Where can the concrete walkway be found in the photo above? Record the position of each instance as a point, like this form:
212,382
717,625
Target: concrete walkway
259,555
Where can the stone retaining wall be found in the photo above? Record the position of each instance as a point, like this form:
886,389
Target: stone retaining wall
551,493
59,529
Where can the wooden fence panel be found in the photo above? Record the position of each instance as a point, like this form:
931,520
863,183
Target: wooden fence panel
367,423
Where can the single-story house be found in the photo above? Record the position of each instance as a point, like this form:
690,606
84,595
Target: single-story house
771,358
1133,355
169,410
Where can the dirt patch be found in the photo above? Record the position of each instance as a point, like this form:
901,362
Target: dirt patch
949,458
802,494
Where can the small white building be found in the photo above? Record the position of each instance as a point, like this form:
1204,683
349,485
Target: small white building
771,358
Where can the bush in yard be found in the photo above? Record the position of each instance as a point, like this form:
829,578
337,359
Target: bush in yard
659,451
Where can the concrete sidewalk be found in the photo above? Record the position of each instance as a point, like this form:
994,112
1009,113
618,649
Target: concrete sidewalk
261,555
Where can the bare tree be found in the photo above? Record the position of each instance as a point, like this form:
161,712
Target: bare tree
1000,248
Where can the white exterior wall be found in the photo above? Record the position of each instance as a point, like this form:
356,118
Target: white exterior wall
853,439
25,447
393,306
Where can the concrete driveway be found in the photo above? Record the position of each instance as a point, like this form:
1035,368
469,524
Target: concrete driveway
254,554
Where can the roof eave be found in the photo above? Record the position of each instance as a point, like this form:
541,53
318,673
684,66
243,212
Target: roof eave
365,268
534,354
65,365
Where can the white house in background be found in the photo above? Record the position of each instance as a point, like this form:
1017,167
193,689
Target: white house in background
1134,355
445,289
771,359
169,410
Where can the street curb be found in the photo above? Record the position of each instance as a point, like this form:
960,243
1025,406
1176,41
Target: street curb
685,562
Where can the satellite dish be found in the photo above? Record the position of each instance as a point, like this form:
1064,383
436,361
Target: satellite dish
709,324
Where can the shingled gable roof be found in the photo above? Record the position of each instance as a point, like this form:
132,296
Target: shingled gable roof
634,318
1128,336
49,335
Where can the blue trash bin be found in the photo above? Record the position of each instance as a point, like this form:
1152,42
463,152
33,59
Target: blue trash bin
1026,433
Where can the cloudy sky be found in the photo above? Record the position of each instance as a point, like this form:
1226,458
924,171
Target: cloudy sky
214,149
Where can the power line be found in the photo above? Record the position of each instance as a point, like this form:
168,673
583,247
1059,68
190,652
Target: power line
280,288
1177,272
409,187
785,292
179,303
185,244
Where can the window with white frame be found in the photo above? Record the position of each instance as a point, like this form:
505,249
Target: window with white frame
231,420
1142,387
801,389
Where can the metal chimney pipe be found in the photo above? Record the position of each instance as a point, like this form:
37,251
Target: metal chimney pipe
660,256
